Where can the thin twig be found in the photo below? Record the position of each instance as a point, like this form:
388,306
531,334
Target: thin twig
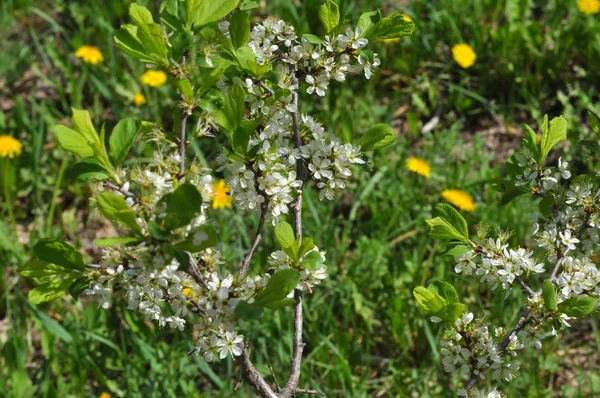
274,378
195,272
182,142
250,373
291,386
117,188
268,89
524,320
529,291
254,377
93,266
248,258
183,132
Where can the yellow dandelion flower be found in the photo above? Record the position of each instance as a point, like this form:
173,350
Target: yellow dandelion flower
139,99
104,395
460,199
89,54
464,55
419,166
154,78
220,195
589,7
9,147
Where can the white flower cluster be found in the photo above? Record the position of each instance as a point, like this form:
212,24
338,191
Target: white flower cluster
532,175
469,347
579,277
498,265
328,160
153,282
270,174
332,58
569,236
163,293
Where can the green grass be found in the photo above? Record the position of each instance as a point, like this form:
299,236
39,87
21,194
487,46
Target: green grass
365,336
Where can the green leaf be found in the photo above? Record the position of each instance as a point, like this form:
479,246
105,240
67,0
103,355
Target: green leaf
182,42
594,123
347,129
212,34
121,240
241,138
140,14
376,137
249,5
429,301
365,21
445,290
549,294
202,12
89,169
73,142
79,286
510,195
116,209
531,142
50,291
85,127
211,79
312,261
157,231
182,207
552,135
284,233
185,88
329,14
247,311
312,38
149,34
307,245
449,224
58,252
452,215
275,305
198,240
247,61
457,250
390,27
577,307
451,312
39,269
235,107
171,20
278,286
127,40
239,29
122,138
